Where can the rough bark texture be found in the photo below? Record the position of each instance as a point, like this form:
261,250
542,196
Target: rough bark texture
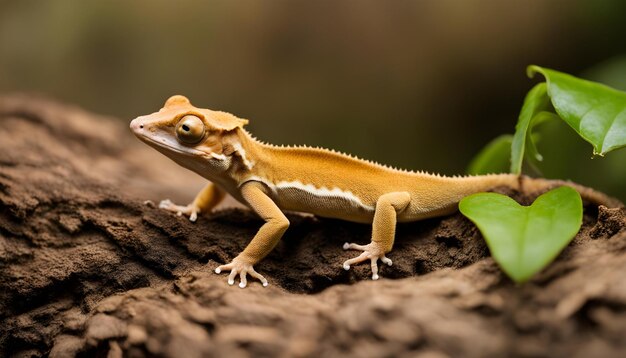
88,269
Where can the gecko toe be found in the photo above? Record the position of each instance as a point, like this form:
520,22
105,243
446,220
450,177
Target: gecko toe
164,204
374,265
386,260
352,246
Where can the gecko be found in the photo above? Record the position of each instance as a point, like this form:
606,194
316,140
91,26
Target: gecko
272,179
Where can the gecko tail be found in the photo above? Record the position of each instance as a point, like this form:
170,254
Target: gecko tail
532,185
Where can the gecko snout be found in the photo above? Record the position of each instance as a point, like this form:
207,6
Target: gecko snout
136,125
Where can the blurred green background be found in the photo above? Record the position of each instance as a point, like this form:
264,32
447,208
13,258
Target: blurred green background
416,84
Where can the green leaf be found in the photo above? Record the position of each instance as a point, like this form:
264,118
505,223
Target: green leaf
596,112
532,154
493,158
534,111
525,239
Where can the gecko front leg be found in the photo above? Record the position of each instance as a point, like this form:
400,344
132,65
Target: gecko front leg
254,193
205,200
383,232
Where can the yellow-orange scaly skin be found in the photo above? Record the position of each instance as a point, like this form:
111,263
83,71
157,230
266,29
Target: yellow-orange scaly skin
271,179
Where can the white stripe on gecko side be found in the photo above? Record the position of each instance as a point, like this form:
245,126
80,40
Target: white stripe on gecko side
312,190
324,192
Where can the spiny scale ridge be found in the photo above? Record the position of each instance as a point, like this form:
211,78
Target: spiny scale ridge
400,170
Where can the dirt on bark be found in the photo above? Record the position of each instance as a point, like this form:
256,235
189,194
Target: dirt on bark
88,269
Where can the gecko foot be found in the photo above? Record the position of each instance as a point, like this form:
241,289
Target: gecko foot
190,210
239,266
372,251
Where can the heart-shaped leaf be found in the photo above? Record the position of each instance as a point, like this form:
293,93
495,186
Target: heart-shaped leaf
525,239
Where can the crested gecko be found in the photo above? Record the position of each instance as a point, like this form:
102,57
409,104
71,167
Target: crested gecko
272,179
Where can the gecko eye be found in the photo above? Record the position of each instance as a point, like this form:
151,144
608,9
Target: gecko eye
190,129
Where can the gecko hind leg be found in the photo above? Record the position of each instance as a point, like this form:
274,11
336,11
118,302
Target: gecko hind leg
383,232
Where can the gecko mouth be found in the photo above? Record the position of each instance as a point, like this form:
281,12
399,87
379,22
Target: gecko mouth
163,144
164,147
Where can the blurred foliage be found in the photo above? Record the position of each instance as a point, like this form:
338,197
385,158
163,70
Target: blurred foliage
416,84
494,158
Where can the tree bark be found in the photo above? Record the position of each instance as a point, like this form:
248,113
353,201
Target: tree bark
87,268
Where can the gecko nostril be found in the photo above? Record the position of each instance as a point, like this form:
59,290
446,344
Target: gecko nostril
141,126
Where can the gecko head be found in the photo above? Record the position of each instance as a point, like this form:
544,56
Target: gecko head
185,133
